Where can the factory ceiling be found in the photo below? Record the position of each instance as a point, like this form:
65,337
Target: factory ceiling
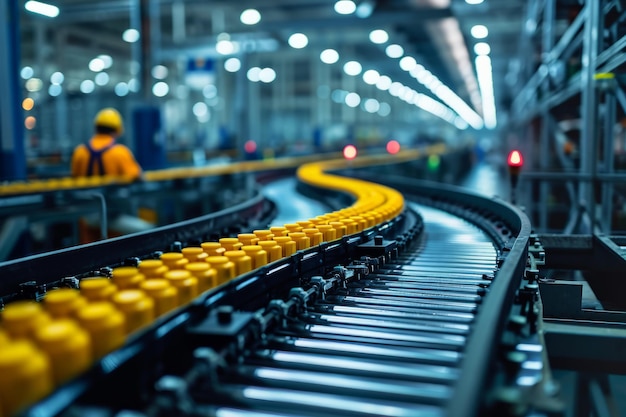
436,33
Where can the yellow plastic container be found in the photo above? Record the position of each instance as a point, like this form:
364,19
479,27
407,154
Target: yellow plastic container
314,235
264,234
106,326
224,268
327,231
213,248
63,302
360,220
230,243
174,260
153,268
206,276
164,294
22,318
301,239
67,345
242,262
97,289
185,283
351,226
293,227
248,239
137,307
340,229
273,249
194,254
25,376
256,254
127,277
305,224
288,246
278,231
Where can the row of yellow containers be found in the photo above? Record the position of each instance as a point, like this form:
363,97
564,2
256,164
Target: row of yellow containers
43,345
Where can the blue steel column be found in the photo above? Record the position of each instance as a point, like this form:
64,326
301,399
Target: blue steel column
12,154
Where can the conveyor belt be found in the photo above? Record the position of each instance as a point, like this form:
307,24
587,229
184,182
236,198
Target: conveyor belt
390,344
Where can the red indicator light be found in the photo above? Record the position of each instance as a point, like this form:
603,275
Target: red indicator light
349,152
515,159
250,146
393,147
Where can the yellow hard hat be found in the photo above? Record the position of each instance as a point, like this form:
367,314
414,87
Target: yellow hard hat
111,118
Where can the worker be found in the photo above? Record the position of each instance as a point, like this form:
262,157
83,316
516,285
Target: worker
102,155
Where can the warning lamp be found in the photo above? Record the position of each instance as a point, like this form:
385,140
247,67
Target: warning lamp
249,146
515,162
349,152
393,147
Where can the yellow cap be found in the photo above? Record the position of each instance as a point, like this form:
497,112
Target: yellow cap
278,231
126,277
22,318
174,260
206,276
68,347
194,253
293,227
153,268
185,283
164,294
315,235
212,248
256,254
106,326
264,234
223,266
273,249
63,302
230,243
301,239
288,246
25,376
242,262
111,118
137,307
97,289
248,238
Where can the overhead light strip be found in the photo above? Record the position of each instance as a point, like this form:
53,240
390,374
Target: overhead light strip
485,83
43,9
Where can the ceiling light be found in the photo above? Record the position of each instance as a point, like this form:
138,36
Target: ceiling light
267,75
474,1
55,90
209,91
352,68
253,74
365,8
34,84
394,51
371,105
479,31
159,72
102,78
232,64
57,78
298,40
96,65
384,110
200,109
345,7
107,60
43,9
160,89
28,103
485,82
482,48
353,99
27,72
329,56
87,86
383,83
121,89
379,36
250,17
130,35
408,63
371,77
224,47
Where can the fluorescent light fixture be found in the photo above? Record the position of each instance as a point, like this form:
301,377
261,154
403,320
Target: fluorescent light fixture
329,56
43,9
365,8
394,51
479,31
345,7
352,68
232,64
250,17
485,82
130,35
474,1
379,36
298,40
482,48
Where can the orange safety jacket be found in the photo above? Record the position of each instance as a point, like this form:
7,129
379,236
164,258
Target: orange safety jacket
103,156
